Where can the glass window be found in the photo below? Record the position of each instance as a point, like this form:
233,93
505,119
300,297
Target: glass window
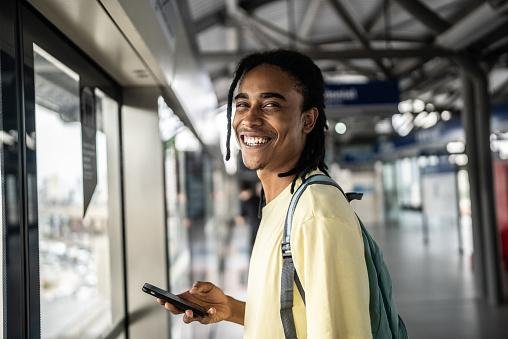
177,224
79,251
3,134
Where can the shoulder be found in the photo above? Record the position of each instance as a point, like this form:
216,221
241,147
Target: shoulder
325,218
324,201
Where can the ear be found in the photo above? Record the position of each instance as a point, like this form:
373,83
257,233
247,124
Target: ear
309,118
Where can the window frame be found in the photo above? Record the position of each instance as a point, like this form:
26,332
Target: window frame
22,26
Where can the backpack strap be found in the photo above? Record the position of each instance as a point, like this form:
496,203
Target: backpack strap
289,274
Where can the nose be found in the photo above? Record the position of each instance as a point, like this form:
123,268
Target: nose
252,118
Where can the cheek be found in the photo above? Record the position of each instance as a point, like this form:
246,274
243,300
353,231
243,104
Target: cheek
291,129
234,123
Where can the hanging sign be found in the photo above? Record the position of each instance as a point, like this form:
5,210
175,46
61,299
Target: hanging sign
379,97
369,93
88,144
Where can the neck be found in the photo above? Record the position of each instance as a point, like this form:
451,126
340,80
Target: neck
272,183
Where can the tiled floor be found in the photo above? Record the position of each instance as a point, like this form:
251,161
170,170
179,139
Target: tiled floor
433,283
235,278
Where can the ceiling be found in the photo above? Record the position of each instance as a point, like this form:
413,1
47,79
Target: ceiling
409,40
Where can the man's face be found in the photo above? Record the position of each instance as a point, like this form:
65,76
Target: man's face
269,123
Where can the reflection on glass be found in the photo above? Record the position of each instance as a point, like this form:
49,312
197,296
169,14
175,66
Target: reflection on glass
75,287
1,213
178,239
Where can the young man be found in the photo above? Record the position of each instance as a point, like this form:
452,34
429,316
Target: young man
280,125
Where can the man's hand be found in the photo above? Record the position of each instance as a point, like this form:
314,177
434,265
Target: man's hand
207,295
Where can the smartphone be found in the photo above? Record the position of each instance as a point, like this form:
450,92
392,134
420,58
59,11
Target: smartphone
174,300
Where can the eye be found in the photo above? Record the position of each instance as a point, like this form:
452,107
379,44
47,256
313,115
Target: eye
271,105
242,104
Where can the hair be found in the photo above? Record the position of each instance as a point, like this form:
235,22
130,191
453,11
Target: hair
246,185
309,80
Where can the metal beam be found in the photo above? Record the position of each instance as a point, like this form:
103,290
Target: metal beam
352,53
280,31
374,37
373,17
210,20
219,15
260,23
358,32
309,17
425,15
474,27
252,5
426,79
185,12
265,40
405,70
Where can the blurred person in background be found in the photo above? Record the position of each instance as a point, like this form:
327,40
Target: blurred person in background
249,209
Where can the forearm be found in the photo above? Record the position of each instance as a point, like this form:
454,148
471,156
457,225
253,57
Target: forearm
237,311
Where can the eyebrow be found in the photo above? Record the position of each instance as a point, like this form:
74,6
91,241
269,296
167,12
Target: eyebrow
264,95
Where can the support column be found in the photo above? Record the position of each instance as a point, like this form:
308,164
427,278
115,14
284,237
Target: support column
479,120
468,121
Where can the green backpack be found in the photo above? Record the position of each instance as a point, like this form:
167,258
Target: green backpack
384,318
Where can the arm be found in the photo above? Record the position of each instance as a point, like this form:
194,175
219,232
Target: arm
330,262
220,306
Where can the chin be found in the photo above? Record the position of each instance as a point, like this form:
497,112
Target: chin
254,166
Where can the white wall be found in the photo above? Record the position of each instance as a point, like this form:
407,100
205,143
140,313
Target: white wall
369,209
440,203
144,212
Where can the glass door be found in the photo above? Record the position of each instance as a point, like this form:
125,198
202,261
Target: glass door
74,199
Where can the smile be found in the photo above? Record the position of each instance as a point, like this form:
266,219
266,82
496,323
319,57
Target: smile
254,141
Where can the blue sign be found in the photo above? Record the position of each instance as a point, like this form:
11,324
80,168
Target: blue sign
361,94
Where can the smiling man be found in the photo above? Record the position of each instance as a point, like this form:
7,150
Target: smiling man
280,125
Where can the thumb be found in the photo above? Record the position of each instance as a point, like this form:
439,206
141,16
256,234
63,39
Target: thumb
201,287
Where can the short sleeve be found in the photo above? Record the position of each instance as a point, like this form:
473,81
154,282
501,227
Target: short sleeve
329,259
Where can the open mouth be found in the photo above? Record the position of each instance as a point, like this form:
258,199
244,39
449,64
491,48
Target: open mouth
254,141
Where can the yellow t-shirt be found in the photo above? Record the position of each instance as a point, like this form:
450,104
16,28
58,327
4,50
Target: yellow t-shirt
327,250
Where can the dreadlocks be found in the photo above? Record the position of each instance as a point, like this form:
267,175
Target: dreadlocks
310,81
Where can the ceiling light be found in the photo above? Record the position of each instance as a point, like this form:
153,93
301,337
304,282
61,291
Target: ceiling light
420,119
405,106
340,128
446,115
455,147
433,160
461,159
397,120
418,105
422,161
431,119
406,128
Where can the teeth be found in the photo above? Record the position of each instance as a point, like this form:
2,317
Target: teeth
252,141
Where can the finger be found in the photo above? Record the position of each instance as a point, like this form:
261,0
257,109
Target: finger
188,317
160,301
212,311
171,308
201,287
211,316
